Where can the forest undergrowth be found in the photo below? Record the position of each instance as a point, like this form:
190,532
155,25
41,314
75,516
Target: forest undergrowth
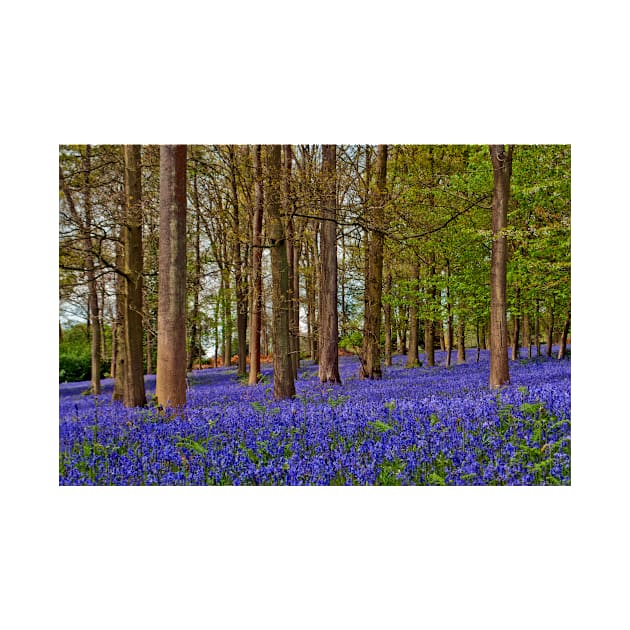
415,426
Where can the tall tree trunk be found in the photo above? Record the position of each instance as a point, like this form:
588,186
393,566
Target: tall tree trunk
311,281
217,319
527,336
550,333
171,361
537,328
134,392
256,310
194,327
296,303
478,342
120,360
565,333
516,347
449,319
401,329
94,312
412,354
371,357
240,275
328,317
387,312
461,341
149,352
429,330
283,382
288,218
502,170
226,295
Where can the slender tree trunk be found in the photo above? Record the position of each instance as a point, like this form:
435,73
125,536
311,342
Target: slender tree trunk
527,336
288,218
550,333
478,342
429,330
134,392
94,312
171,363
149,352
120,361
387,311
311,306
226,293
537,328
296,302
461,341
217,319
516,347
371,357
328,318
401,327
102,320
412,353
448,341
429,342
502,170
563,339
256,310
194,328
283,382
240,275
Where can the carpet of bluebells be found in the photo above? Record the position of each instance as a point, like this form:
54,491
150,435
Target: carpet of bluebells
416,426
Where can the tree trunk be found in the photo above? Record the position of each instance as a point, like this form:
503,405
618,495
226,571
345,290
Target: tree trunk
194,328
550,334
448,341
478,342
240,275
371,358
171,362
563,339
429,342
328,317
134,392
91,277
412,353
527,336
149,352
288,218
256,310
387,311
502,170
461,341
429,330
120,361
517,329
311,306
226,295
283,382
537,328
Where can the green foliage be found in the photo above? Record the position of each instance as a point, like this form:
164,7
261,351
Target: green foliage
389,471
75,356
351,341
